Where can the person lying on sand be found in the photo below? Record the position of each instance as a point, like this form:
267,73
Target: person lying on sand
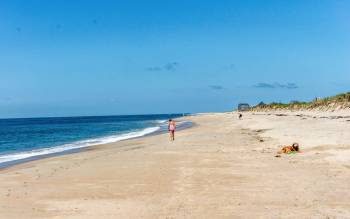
289,149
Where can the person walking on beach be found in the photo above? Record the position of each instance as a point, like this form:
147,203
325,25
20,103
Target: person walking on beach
171,129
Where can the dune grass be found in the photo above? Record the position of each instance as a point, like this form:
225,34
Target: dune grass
342,100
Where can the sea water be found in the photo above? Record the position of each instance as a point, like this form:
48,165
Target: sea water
32,138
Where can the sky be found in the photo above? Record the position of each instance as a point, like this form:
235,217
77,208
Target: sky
72,58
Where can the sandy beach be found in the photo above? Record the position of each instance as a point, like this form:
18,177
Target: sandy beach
222,167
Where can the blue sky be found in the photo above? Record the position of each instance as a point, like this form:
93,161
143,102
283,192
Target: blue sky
62,58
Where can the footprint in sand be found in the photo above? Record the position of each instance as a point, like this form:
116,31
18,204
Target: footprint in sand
8,193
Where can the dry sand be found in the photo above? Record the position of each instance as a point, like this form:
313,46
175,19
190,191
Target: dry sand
220,168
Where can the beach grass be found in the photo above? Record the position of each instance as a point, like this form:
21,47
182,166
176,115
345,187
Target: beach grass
339,101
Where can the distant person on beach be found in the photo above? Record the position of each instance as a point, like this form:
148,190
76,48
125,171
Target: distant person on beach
240,116
171,129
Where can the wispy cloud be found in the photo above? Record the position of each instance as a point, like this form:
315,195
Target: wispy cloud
264,85
276,85
216,87
154,68
291,86
171,66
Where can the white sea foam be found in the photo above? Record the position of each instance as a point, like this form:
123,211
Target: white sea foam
76,145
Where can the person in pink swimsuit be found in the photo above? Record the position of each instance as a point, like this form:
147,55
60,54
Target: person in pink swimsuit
171,129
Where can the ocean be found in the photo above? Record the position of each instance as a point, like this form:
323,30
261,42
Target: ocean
33,138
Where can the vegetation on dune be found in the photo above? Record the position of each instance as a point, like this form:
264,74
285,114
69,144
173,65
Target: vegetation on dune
340,101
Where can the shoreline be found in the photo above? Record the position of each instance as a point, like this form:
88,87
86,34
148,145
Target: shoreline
8,164
118,145
221,167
